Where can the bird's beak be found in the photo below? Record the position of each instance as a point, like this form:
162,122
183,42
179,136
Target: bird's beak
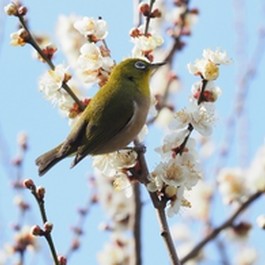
156,65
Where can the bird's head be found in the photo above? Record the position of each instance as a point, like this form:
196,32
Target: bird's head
136,70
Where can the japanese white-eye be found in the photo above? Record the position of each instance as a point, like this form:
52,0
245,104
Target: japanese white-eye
112,119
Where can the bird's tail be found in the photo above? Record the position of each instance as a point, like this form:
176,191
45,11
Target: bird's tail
49,159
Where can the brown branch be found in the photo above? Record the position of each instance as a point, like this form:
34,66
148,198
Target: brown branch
148,18
136,258
226,224
39,197
159,205
31,40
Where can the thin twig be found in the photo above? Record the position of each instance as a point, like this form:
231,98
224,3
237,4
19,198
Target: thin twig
31,40
47,235
137,229
148,18
226,224
159,206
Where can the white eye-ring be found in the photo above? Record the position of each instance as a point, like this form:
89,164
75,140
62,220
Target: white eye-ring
140,65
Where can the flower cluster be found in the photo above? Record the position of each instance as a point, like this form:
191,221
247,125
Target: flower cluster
50,85
182,19
237,184
208,66
115,163
115,195
117,251
179,170
145,42
94,62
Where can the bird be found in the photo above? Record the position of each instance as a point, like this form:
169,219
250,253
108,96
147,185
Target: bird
112,119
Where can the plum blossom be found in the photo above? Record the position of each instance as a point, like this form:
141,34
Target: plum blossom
50,85
18,38
145,44
69,37
232,185
117,251
93,29
92,63
110,164
256,172
208,66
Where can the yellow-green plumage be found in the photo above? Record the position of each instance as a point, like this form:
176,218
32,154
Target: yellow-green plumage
112,119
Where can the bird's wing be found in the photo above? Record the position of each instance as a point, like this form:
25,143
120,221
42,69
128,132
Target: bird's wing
104,126
74,139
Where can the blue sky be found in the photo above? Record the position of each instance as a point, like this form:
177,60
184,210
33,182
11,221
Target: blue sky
24,109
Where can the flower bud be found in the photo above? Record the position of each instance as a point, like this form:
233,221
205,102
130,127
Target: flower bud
144,8
11,9
135,32
48,227
170,191
29,184
156,13
242,229
75,244
40,192
62,260
22,10
37,231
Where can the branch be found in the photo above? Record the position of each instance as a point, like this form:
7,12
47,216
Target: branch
148,18
160,210
31,40
137,256
38,194
226,224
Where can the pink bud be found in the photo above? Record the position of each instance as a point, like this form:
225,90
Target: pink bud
48,227
29,184
62,260
36,231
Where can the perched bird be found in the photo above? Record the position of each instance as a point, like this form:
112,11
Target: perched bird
112,119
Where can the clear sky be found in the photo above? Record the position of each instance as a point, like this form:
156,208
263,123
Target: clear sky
23,108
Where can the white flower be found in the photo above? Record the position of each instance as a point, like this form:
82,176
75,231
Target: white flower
217,57
173,173
172,141
200,116
18,38
93,29
165,117
143,44
117,201
70,39
174,204
232,184
256,172
246,256
199,198
110,164
148,43
117,251
91,61
261,221
11,9
208,66
50,85
207,69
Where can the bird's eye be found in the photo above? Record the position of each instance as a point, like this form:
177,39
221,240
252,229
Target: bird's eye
140,65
